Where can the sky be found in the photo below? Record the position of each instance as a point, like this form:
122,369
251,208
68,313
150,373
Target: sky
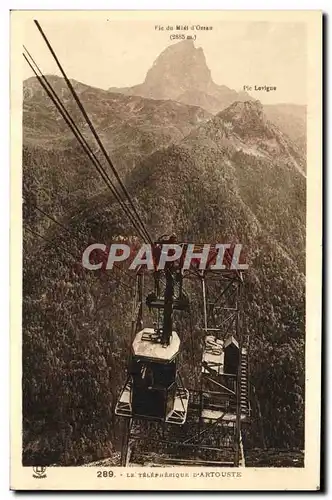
114,53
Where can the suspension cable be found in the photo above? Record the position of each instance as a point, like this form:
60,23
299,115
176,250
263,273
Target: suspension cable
82,141
73,235
48,241
93,130
35,233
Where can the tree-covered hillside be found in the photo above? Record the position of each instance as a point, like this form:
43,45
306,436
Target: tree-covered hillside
220,183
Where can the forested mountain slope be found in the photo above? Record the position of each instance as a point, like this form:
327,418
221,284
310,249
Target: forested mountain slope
234,178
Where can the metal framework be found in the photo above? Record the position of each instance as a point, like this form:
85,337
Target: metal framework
219,405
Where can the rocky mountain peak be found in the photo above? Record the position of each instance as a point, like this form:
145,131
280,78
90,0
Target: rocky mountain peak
180,67
181,73
246,117
242,111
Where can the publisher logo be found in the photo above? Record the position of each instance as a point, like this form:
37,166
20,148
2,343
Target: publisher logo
39,472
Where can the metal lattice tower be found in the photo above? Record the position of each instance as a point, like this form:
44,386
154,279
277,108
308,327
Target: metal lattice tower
210,414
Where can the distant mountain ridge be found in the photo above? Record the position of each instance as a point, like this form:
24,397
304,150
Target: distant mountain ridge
129,126
181,73
246,172
245,127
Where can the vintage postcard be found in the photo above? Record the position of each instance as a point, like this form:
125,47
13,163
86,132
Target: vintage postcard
166,182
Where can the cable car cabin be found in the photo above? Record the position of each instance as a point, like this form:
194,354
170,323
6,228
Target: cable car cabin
231,356
220,367
152,390
220,357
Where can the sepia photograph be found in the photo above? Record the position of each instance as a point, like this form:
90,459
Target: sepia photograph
162,215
